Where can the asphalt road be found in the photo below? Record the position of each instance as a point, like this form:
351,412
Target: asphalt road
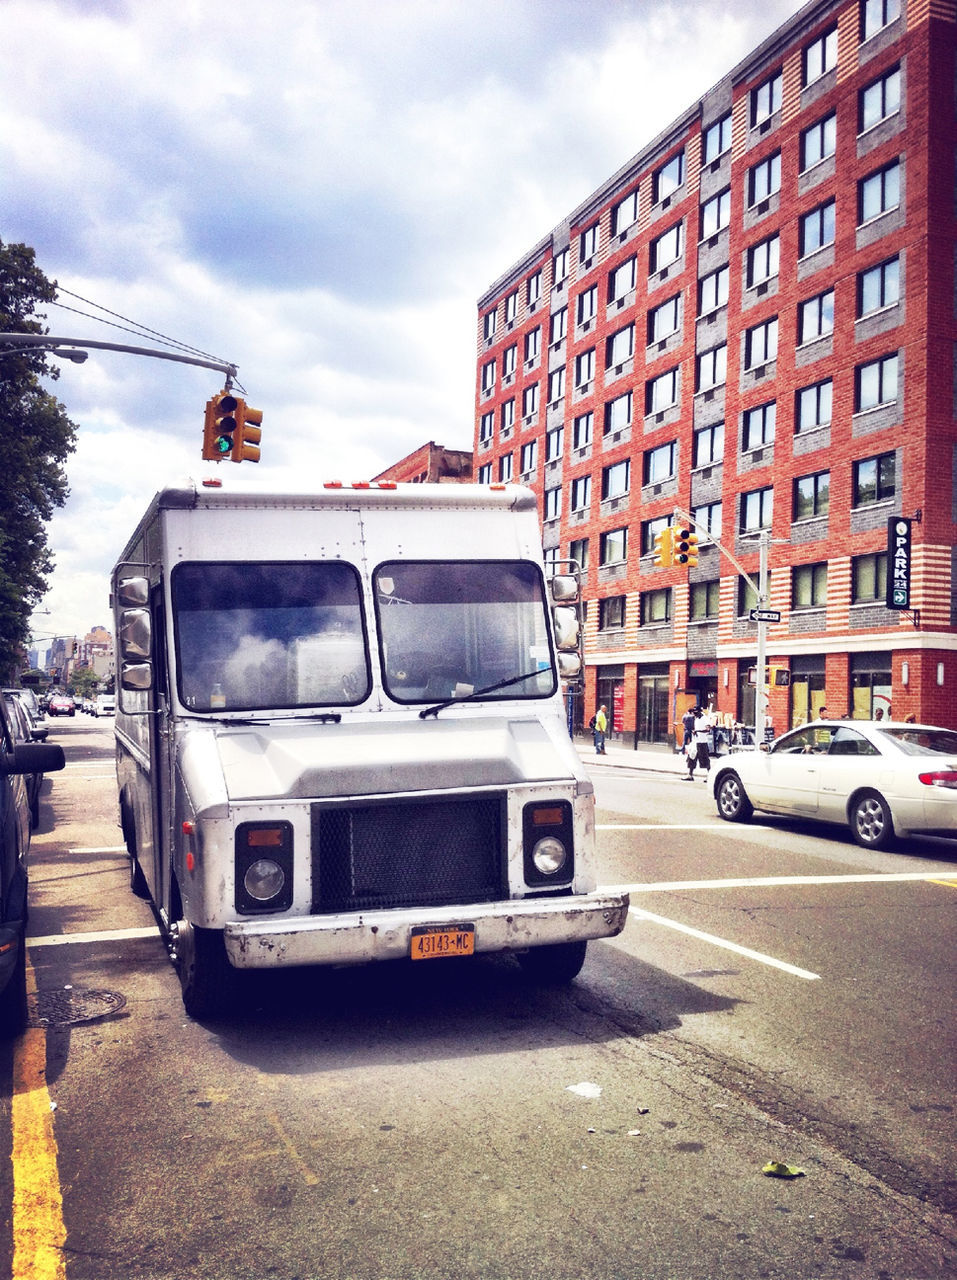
449,1120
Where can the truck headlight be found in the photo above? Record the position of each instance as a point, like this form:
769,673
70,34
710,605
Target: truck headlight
549,855
263,867
549,843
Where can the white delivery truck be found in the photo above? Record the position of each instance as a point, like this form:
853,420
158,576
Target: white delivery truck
340,733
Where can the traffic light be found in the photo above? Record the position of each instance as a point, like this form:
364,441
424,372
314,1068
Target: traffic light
664,547
248,435
220,427
685,547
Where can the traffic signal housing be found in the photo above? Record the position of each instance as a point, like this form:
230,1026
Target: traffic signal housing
664,547
685,547
220,427
248,435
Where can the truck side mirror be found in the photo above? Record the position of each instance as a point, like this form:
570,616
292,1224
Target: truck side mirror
133,593
135,634
566,628
137,676
564,588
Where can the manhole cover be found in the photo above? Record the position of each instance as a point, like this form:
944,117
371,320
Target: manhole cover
63,1008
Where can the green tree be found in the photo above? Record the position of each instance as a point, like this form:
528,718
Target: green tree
37,437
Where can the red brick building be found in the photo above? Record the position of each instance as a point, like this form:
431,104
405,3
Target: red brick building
431,464
753,321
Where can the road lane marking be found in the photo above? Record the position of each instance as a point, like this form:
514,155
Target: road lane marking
948,884
710,938
102,848
661,826
748,882
39,1233
107,935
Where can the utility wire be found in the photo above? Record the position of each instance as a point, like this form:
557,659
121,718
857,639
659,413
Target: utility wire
130,326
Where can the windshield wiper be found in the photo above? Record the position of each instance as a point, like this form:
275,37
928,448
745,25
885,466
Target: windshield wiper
324,717
479,693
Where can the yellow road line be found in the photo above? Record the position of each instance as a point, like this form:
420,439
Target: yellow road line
948,884
39,1233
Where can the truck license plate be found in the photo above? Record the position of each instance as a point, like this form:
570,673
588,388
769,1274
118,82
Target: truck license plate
431,942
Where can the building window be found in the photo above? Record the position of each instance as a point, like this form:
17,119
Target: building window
489,322
713,367
879,193
761,343
764,179
485,473
875,480
530,401
880,100
759,425
716,139
809,586
660,464
707,520
878,14
509,360
820,56
558,326
766,99
668,178
582,430
763,260
616,480
650,530
578,551
625,213
667,248
709,445
875,383
818,142
665,319
622,280
656,607
614,546
511,307
812,496
588,242
487,425
869,578
747,596
757,509
508,415
488,376
816,229
560,266
620,346
813,408
556,385
878,287
662,392
588,304
533,290
554,444
611,613
581,493
816,317
618,413
715,213
585,367
505,468
713,291
553,503
533,343
705,600
551,558
529,457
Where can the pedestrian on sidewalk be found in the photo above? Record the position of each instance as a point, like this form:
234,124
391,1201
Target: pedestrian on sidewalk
599,729
699,749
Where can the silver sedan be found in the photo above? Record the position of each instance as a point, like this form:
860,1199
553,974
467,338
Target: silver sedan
882,778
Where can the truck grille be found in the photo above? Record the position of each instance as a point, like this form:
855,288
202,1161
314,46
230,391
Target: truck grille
408,853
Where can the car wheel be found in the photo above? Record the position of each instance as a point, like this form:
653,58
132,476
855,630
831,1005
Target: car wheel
733,802
554,964
871,823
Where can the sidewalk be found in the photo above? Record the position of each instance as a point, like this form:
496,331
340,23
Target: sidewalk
647,756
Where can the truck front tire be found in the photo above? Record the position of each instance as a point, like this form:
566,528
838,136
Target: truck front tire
554,964
206,978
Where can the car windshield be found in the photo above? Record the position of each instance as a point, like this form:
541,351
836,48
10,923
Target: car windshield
918,741
450,628
258,636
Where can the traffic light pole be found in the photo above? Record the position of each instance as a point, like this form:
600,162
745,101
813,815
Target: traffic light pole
45,340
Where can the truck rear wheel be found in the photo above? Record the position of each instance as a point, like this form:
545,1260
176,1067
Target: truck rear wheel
557,963
206,978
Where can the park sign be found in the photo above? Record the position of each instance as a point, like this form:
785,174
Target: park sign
898,562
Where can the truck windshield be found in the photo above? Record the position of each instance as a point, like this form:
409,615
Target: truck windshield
264,636
450,627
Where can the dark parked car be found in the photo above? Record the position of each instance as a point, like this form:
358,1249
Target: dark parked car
17,760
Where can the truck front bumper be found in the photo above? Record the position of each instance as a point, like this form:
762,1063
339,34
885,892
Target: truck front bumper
363,936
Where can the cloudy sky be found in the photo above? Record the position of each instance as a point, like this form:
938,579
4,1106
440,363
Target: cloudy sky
317,191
